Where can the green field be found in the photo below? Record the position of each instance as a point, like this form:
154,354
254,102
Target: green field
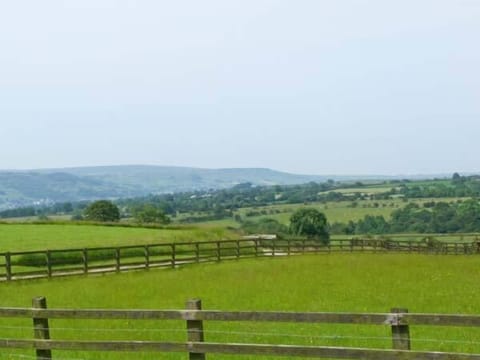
341,211
337,211
23,237
336,282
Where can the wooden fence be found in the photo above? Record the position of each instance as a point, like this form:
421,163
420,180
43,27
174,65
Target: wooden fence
64,262
197,347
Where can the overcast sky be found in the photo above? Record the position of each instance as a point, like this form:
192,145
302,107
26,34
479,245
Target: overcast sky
319,87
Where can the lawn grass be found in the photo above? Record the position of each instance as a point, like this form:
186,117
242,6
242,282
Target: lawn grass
335,282
24,237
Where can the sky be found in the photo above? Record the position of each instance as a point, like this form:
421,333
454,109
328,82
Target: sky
304,86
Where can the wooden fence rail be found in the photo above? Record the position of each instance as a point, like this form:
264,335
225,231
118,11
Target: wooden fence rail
399,320
63,262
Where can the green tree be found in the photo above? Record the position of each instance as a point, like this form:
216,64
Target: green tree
150,214
311,223
102,210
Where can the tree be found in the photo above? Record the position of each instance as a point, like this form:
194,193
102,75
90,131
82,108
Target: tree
102,210
311,223
149,214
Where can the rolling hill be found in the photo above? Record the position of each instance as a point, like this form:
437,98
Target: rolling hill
45,186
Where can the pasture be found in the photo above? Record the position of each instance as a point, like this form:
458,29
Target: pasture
335,211
338,211
24,237
327,282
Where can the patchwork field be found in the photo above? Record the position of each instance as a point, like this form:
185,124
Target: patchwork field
335,282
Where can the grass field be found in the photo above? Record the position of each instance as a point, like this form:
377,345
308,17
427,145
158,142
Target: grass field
338,211
340,283
341,211
23,237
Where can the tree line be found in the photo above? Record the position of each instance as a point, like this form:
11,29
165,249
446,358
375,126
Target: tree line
201,206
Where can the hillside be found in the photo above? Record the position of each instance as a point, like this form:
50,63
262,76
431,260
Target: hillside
25,188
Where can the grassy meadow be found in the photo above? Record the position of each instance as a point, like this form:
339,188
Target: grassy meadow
24,237
335,282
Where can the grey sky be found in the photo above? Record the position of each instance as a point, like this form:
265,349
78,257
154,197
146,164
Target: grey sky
323,87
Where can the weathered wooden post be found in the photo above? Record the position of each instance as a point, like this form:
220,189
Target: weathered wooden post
41,330
174,255
256,246
238,249
48,259
8,266
197,252
219,256
400,332
195,329
146,251
85,260
117,259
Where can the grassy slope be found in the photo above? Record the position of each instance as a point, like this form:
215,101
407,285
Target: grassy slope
341,282
21,237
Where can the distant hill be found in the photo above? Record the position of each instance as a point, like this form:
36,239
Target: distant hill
45,186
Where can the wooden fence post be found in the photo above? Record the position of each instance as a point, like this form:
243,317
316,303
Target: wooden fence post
219,257
238,249
174,255
256,247
48,258
85,260
400,333
197,252
41,329
146,251
195,329
117,259
8,266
